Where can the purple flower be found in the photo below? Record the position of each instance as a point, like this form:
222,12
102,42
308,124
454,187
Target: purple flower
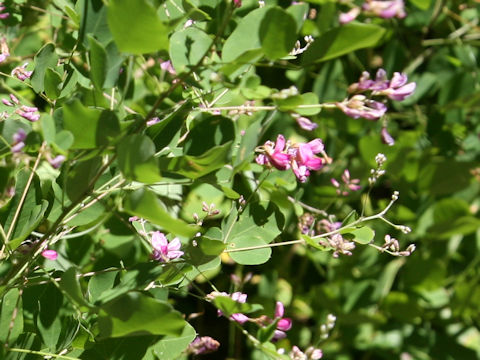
18,141
386,137
386,9
305,123
398,90
359,106
21,73
283,324
203,345
345,18
163,250
153,121
20,135
168,67
29,116
57,161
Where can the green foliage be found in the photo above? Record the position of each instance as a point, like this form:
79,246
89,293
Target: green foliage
144,150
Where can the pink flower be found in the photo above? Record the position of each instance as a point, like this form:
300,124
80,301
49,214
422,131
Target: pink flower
21,73
284,324
3,15
275,154
348,184
237,3
399,92
163,250
50,254
168,67
345,18
238,297
386,9
360,106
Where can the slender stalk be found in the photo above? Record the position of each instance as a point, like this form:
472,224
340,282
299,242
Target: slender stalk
22,200
42,353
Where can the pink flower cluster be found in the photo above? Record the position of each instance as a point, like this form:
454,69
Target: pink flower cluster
386,9
348,184
163,250
27,112
299,157
360,105
4,50
3,15
21,72
18,141
284,324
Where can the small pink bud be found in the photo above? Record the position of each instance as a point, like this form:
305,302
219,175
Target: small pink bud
50,254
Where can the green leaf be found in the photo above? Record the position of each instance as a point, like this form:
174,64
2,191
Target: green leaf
136,278
90,127
198,166
343,40
422,4
44,59
171,347
245,37
277,33
314,243
135,314
265,333
299,12
145,204
136,27
139,165
79,179
363,235
229,306
11,310
93,21
52,82
69,283
259,224
100,283
32,211
98,63
49,322
187,48
295,103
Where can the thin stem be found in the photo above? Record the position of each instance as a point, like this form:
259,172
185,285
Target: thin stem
359,221
307,207
22,199
264,107
42,353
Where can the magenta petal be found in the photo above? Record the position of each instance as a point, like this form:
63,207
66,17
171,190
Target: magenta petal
280,144
284,324
279,309
160,242
174,254
316,145
175,244
50,254
240,318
